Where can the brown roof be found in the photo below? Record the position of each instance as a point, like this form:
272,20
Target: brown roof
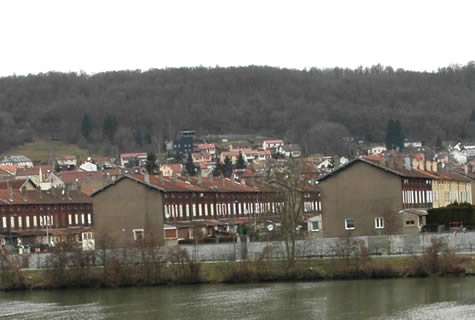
69,177
14,184
193,184
400,172
26,172
8,169
205,146
453,176
133,155
42,197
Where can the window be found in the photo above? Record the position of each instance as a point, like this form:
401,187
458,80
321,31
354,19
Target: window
379,223
349,224
410,222
138,234
315,225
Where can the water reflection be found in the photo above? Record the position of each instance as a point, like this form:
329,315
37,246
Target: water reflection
435,298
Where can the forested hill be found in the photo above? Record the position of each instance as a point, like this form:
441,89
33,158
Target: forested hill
316,108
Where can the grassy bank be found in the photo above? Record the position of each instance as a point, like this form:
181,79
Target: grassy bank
68,270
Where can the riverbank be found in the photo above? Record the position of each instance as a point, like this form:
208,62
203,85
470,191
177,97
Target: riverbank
189,272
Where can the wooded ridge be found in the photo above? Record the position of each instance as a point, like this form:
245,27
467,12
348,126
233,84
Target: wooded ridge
126,110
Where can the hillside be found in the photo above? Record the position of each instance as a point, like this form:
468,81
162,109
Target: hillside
128,110
43,151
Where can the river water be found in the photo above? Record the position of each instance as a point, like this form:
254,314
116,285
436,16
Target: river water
433,298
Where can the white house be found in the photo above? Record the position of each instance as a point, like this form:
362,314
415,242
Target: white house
18,161
291,150
377,149
88,166
272,144
67,161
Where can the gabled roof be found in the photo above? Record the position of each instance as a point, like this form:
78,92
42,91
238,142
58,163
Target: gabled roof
399,172
130,177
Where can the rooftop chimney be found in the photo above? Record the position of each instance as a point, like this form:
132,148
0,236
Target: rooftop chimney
407,163
174,179
160,177
146,178
10,191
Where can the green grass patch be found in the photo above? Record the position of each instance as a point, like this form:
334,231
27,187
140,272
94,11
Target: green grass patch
41,151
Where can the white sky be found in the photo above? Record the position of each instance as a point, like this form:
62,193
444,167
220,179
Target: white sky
99,35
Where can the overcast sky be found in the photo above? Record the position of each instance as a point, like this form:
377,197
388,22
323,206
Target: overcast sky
98,35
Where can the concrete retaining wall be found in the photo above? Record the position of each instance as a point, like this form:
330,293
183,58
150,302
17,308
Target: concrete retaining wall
378,245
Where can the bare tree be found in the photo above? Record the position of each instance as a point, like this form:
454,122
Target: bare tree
290,198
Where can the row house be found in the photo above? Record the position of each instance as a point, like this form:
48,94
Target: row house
212,198
30,217
450,187
18,161
443,188
141,206
417,189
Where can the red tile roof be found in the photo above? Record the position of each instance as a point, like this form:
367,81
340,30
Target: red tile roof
205,146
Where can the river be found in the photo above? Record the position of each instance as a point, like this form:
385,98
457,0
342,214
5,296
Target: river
432,298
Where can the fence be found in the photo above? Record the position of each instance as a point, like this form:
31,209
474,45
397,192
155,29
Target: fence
240,250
